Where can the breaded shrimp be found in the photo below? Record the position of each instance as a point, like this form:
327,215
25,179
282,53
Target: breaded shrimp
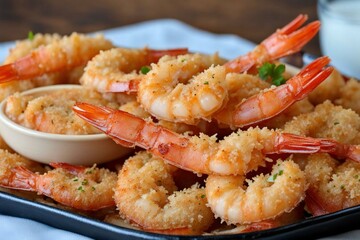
82,188
59,55
327,121
333,185
146,195
238,153
265,197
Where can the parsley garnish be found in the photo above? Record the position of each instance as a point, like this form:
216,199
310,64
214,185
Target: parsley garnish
273,72
272,178
203,196
30,35
145,69
206,83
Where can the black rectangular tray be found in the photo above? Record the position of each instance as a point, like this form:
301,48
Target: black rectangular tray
310,228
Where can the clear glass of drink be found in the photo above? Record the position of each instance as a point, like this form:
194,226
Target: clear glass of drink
340,34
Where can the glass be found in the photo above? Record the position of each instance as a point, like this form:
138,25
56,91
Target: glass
340,34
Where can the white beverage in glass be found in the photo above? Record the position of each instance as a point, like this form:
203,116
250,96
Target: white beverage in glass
340,34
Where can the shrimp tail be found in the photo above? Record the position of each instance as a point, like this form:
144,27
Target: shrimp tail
311,76
288,41
99,116
290,143
268,104
285,41
8,73
23,179
73,169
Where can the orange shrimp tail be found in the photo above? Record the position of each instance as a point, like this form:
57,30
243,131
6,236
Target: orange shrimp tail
285,41
291,143
155,55
281,45
8,73
294,24
100,117
271,103
73,169
22,179
311,76
128,130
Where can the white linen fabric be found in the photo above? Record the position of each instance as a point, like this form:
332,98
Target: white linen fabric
158,34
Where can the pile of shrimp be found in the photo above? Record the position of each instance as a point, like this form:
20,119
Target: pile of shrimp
217,148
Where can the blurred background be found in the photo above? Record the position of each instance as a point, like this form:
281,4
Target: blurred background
253,20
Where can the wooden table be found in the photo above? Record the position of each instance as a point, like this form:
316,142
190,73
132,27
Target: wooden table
253,20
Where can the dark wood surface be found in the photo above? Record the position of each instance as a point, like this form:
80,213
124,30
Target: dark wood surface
251,19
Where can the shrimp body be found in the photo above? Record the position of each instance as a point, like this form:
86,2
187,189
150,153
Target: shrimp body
82,188
117,69
262,199
147,195
238,153
174,91
273,101
64,54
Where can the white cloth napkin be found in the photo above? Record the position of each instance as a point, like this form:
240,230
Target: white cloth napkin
158,34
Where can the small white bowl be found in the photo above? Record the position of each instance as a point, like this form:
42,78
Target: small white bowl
48,147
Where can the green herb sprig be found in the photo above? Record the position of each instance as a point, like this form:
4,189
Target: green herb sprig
272,178
145,69
272,72
30,35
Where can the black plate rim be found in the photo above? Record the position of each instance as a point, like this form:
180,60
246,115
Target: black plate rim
320,226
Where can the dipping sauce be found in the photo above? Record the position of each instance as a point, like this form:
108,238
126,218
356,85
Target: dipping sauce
340,34
52,112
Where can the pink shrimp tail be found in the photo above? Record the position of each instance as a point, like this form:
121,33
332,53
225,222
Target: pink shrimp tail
8,73
73,169
23,179
283,42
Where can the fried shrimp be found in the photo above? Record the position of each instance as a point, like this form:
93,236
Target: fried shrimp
82,188
342,125
120,69
238,153
23,48
52,112
198,97
61,54
164,94
332,185
9,161
147,195
244,86
265,197
273,101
